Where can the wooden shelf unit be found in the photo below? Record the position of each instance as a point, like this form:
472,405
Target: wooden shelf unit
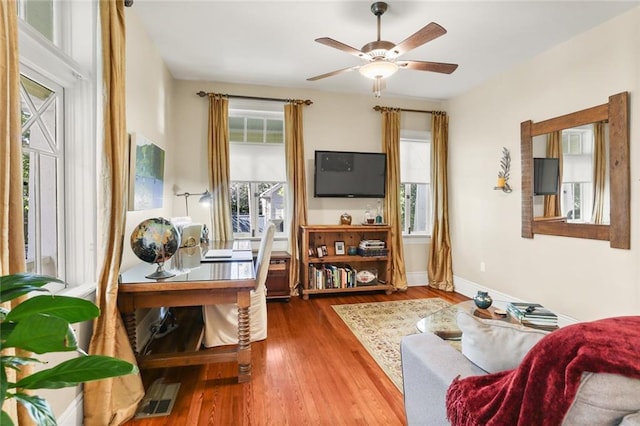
314,236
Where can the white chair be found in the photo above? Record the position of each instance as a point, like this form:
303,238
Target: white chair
221,321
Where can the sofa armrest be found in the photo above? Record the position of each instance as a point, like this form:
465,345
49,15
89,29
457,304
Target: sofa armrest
429,365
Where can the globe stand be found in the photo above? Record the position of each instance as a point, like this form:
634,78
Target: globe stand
160,273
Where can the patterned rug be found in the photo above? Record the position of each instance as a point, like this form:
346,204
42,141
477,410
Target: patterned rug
381,325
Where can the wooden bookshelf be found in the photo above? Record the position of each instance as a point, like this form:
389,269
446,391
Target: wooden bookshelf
318,236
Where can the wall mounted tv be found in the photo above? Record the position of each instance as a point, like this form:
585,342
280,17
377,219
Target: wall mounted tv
545,176
349,174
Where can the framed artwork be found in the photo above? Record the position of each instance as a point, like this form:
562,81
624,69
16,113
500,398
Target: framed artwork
325,252
339,248
146,174
320,252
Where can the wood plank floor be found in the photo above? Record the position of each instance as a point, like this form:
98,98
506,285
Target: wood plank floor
311,370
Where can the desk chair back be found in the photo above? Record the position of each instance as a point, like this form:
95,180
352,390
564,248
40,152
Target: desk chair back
264,255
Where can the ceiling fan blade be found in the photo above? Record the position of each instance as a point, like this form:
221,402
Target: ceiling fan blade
332,73
341,46
429,32
440,67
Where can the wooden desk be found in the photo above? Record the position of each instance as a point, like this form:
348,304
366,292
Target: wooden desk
209,284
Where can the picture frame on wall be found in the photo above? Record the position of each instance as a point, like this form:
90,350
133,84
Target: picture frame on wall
339,248
146,174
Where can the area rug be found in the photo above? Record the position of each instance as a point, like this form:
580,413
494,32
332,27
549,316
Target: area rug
380,326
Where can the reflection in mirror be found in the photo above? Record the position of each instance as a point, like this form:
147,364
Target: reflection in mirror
592,198
583,193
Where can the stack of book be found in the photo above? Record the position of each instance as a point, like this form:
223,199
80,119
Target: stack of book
533,315
372,248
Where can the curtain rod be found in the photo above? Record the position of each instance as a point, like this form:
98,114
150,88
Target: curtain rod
202,94
382,108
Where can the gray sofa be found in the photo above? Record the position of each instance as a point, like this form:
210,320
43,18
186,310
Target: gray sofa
429,365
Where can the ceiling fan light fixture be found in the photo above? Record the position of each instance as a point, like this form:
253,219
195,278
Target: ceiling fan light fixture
378,69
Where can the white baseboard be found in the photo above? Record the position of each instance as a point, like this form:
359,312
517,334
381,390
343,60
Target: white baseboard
74,414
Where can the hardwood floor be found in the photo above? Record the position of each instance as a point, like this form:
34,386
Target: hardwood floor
311,370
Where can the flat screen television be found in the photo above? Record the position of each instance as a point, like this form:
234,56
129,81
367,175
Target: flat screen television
349,174
545,176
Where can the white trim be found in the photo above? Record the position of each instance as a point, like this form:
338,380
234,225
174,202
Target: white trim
416,279
60,67
73,415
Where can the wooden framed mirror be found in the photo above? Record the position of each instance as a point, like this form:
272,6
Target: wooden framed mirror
617,231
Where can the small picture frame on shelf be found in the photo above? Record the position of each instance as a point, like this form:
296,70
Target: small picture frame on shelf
320,252
311,252
339,248
325,252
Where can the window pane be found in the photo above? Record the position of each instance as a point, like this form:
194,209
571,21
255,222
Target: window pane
255,130
272,205
240,218
275,131
48,216
29,211
39,14
236,129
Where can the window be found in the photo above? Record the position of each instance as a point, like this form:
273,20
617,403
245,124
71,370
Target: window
415,185
58,116
258,168
577,173
42,160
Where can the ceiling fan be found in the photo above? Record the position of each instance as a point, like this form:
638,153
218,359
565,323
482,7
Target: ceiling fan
381,55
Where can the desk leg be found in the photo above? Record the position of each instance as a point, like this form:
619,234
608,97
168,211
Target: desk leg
244,337
129,319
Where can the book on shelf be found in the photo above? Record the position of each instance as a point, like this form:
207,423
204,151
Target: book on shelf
322,277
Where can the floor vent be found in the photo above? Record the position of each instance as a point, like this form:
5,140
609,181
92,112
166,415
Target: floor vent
158,400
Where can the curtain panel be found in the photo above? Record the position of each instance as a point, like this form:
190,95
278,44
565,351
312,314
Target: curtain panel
112,401
12,254
439,266
296,185
219,169
599,173
554,150
391,147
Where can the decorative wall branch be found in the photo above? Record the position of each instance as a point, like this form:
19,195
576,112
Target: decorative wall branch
503,174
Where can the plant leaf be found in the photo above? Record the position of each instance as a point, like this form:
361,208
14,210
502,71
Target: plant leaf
16,285
38,408
77,370
71,309
4,386
16,362
5,419
41,334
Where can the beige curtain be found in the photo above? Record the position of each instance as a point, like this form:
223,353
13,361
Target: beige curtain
112,401
554,150
296,185
219,174
599,172
391,147
11,220
439,267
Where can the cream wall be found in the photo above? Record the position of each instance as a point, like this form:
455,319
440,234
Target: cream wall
149,113
584,279
335,121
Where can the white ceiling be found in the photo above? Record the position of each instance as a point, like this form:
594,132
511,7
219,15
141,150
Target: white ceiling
272,42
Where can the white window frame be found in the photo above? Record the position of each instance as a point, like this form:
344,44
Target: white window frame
407,234
265,111
77,24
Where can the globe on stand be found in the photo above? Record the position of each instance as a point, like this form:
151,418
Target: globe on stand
155,240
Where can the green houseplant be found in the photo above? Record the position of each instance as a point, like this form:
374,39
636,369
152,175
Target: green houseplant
42,324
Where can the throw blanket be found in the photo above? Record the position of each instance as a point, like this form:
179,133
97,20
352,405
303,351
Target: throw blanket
542,388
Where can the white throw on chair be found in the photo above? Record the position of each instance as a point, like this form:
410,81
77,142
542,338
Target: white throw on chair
221,321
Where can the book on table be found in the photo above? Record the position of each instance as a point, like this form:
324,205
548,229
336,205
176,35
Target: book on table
532,314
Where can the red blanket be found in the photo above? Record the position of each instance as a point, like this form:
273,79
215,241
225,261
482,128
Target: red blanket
542,388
